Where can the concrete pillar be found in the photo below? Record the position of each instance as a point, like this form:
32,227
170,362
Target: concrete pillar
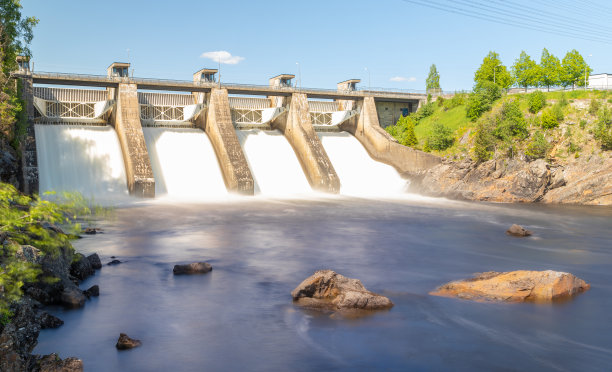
220,129
381,146
29,159
126,120
297,128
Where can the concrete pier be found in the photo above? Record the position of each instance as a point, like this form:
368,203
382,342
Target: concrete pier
126,120
297,128
381,146
220,129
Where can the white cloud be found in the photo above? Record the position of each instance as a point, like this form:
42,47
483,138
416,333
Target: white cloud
222,56
401,78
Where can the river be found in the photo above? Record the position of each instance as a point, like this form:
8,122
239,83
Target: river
240,316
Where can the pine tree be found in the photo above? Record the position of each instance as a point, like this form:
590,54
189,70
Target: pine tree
433,79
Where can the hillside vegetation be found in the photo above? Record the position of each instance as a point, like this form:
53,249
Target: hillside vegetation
487,125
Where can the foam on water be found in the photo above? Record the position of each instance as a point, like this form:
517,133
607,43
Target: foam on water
80,158
274,165
360,175
184,163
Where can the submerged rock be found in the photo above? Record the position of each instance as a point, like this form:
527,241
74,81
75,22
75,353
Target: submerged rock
515,286
326,289
192,268
517,230
124,342
114,262
81,267
93,291
92,230
73,297
53,363
47,320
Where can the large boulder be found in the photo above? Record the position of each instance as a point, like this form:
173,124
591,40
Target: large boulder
519,231
53,363
192,268
81,267
515,286
125,342
326,289
73,297
94,261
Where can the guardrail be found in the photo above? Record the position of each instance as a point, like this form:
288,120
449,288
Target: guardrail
231,86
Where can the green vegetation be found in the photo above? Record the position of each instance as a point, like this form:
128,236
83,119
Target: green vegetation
493,71
432,84
403,131
537,147
526,71
536,101
603,129
441,137
481,100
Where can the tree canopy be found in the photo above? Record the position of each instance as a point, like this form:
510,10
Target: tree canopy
526,71
575,69
494,71
433,79
550,70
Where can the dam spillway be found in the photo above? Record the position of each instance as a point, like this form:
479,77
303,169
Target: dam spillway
360,175
81,158
275,167
184,163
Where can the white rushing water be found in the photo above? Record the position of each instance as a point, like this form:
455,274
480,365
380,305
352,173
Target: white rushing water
360,175
80,158
184,163
274,165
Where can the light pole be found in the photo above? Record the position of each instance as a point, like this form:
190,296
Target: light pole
369,79
299,75
585,73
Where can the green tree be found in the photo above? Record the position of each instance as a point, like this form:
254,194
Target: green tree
526,71
536,101
537,147
441,137
433,79
550,70
409,137
484,142
494,71
575,70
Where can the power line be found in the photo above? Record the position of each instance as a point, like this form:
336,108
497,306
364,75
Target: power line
497,19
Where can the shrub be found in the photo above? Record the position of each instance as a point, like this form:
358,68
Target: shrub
408,138
562,100
557,111
549,120
538,147
477,105
583,123
457,100
441,137
484,142
610,100
440,101
491,90
536,101
513,120
603,129
594,107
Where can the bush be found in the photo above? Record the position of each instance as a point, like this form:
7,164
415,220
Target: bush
603,129
594,107
583,123
477,105
557,111
491,90
538,147
457,100
484,142
441,137
536,101
562,100
549,120
513,121
440,101
610,100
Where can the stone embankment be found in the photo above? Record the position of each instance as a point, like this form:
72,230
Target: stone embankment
582,181
515,286
57,284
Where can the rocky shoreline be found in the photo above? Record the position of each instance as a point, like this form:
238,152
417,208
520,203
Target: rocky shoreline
580,182
57,284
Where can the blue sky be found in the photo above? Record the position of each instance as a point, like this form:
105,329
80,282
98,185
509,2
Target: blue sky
331,40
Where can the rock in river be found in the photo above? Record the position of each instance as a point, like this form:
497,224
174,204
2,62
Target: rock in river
72,297
515,286
326,289
517,230
192,268
124,342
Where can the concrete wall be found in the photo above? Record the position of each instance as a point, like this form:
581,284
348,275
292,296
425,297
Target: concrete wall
29,160
381,146
218,125
126,120
390,112
297,128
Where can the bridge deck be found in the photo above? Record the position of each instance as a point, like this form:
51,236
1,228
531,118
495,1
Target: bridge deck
190,86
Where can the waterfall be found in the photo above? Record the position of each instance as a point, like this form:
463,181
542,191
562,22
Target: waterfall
274,165
184,163
359,174
80,158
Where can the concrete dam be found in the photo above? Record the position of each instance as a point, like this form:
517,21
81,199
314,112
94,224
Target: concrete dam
114,135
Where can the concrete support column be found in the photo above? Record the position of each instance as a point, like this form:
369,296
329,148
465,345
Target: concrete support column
220,129
297,128
126,120
29,160
381,146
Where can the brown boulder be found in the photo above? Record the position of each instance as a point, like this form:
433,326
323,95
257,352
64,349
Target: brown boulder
124,342
517,230
52,363
515,286
72,297
192,268
326,289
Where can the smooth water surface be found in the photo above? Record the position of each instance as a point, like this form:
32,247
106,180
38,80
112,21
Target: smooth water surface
240,316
